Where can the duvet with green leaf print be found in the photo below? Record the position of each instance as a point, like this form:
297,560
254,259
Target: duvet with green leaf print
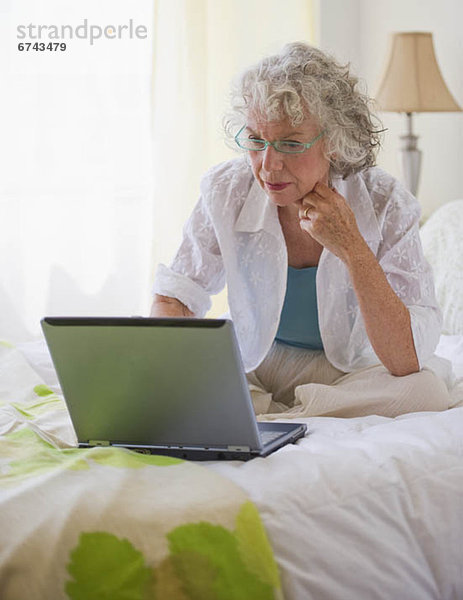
108,523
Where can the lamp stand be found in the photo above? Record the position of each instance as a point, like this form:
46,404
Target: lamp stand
410,157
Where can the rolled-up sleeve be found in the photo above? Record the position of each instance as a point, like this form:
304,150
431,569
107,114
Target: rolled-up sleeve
197,270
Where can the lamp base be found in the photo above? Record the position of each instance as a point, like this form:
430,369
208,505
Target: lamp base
410,162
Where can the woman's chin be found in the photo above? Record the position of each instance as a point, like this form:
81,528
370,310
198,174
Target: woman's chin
288,201
280,201
282,198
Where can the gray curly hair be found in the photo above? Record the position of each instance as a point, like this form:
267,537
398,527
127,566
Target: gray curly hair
302,80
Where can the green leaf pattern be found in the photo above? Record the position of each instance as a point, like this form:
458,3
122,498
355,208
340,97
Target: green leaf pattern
205,562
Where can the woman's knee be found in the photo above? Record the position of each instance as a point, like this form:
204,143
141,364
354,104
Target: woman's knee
388,395
431,388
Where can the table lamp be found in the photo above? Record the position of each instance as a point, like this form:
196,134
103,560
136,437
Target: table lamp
412,82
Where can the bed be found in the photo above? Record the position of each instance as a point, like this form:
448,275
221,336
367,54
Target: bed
362,508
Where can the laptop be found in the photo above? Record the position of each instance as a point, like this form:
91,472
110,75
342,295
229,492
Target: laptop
172,386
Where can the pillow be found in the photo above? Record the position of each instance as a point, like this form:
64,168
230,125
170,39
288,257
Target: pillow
442,238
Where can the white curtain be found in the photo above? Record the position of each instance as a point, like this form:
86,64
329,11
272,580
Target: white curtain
75,155
102,146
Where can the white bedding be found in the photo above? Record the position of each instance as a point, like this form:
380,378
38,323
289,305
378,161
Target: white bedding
364,508
368,507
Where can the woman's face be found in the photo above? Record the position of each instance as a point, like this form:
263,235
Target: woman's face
286,178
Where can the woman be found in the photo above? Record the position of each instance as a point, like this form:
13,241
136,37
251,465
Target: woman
332,300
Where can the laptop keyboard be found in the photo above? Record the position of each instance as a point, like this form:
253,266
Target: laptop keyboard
268,436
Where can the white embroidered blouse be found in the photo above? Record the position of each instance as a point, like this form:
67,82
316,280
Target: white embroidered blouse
234,236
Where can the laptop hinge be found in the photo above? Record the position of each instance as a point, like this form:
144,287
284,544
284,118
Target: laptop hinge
98,443
238,448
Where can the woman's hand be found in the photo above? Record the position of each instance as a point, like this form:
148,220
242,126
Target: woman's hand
327,217
165,306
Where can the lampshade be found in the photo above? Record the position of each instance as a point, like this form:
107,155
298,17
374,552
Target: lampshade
412,81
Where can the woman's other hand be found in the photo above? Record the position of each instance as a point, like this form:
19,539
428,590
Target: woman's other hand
327,217
165,306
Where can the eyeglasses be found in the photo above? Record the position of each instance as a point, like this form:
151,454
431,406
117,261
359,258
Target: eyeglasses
286,147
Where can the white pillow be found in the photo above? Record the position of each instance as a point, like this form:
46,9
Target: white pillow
442,238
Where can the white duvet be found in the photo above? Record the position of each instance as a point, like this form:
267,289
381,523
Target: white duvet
366,508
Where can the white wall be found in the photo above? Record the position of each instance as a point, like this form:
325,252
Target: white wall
338,30
358,31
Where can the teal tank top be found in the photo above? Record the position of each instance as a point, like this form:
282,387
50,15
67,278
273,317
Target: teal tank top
299,316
